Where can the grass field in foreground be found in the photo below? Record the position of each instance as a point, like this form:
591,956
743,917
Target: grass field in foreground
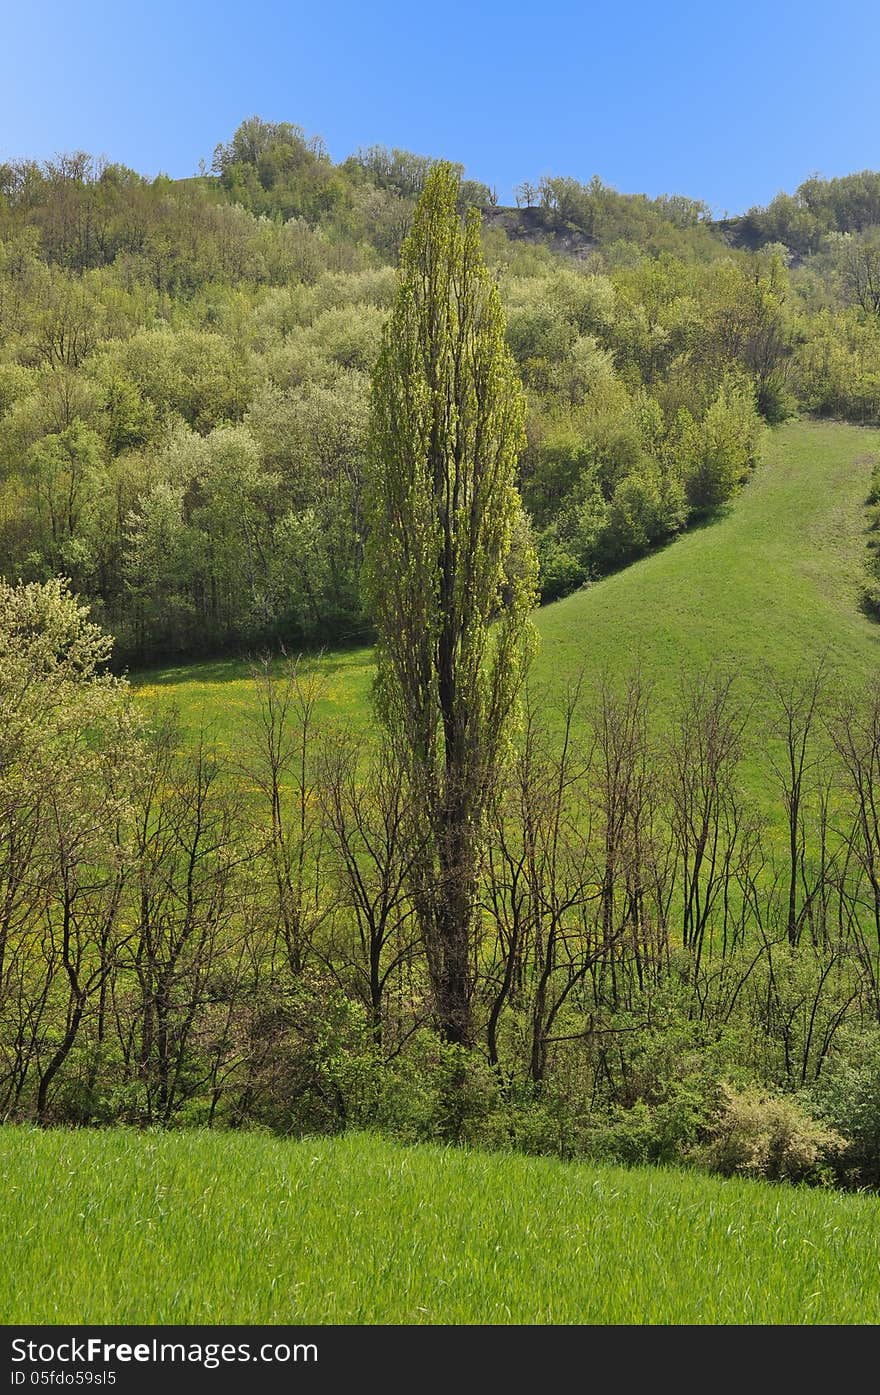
120,1227
771,585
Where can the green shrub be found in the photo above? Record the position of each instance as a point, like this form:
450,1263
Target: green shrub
871,595
560,573
847,1098
645,509
436,1092
755,1134
645,1133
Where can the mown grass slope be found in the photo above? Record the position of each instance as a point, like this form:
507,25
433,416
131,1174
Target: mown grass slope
116,1226
770,586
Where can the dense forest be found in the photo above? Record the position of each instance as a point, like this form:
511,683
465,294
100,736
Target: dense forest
184,371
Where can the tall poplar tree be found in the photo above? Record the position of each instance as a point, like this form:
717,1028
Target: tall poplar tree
451,572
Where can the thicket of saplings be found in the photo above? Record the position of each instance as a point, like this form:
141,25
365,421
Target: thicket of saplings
657,973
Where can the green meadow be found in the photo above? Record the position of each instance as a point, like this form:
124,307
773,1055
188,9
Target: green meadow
121,1227
771,585
768,588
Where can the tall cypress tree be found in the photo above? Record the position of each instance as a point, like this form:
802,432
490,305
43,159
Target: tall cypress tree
450,569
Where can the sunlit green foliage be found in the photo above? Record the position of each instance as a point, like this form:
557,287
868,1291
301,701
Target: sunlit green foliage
651,347
450,567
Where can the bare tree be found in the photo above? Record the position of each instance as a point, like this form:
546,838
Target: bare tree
860,265
854,727
364,803
797,705
280,761
712,826
542,893
190,845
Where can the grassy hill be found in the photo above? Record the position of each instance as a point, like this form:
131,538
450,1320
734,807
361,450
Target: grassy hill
771,585
100,1227
103,1227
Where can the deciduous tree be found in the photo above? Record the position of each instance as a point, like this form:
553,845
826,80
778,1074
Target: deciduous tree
448,555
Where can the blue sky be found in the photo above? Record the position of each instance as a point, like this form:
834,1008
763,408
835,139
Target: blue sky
725,103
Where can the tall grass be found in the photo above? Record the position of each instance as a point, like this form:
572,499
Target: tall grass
122,1227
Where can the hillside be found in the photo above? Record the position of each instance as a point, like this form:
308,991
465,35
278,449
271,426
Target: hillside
195,459
185,370
103,1227
771,585
705,946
